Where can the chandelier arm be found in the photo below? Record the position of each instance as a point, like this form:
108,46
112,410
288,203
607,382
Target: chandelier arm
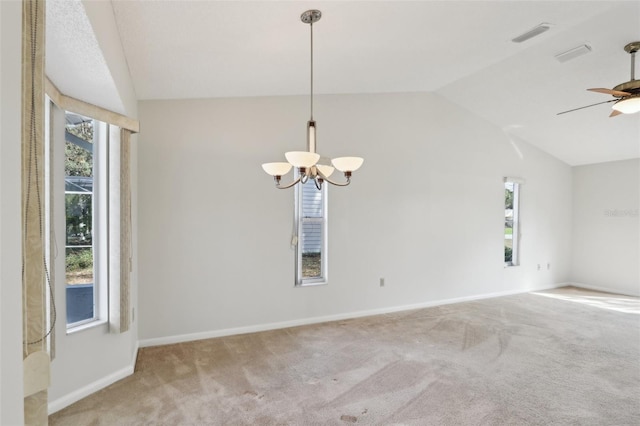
333,182
286,186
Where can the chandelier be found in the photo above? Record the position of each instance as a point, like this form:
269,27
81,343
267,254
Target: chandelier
309,164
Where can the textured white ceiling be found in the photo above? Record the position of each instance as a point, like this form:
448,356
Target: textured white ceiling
191,49
73,59
459,49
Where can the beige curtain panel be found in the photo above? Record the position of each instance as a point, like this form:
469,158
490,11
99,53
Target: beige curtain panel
36,328
120,229
126,242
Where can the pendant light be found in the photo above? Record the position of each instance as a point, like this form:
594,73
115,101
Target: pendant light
309,164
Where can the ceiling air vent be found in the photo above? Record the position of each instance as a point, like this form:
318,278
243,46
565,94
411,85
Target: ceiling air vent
573,53
532,33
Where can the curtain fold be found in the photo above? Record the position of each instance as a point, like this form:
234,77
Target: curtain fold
119,230
126,251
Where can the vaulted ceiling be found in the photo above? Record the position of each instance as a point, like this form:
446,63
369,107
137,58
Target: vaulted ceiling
461,50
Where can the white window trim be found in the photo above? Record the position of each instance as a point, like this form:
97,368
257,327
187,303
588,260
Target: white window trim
101,214
100,217
516,235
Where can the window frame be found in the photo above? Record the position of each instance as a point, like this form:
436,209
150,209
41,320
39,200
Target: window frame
116,308
100,214
516,226
299,221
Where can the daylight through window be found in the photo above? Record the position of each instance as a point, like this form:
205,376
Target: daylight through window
511,222
79,185
311,224
82,145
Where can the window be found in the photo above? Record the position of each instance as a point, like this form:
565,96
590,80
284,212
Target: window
511,221
85,196
88,215
79,196
311,226
78,174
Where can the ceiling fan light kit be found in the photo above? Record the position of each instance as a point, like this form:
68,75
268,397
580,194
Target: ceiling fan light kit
627,94
310,164
628,106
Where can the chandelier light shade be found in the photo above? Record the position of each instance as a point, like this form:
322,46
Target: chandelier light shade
347,164
628,106
276,169
308,163
302,158
325,170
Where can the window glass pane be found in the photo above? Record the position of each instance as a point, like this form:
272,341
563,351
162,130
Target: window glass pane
79,223
511,213
80,288
508,222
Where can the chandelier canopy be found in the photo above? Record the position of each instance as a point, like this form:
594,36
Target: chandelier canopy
311,165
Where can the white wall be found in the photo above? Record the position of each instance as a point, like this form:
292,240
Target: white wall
606,226
425,212
11,399
91,359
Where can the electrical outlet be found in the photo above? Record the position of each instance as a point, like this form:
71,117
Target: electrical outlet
539,267
381,282
548,265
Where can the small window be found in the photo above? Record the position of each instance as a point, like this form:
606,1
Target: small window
511,222
311,225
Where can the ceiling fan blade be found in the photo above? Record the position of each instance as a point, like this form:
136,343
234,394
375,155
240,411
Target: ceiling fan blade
616,93
599,103
614,113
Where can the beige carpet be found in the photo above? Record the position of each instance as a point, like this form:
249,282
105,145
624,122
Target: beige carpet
531,359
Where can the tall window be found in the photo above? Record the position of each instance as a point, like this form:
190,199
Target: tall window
511,222
79,203
311,224
85,223
88,214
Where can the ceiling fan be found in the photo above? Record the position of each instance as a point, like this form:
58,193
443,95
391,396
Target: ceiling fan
627,95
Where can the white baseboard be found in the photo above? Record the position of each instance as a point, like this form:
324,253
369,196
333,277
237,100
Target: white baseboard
605,289
93,387
316,320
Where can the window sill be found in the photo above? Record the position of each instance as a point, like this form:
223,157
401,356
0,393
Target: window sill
319,283
86,326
